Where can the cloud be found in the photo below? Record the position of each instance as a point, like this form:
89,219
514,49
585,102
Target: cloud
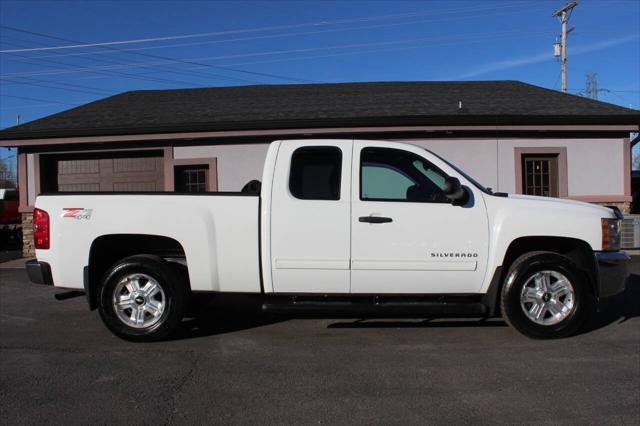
546,56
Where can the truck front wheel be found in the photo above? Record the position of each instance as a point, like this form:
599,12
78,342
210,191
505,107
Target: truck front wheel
545,296
142,298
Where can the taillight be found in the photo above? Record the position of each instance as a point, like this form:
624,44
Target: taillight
41,229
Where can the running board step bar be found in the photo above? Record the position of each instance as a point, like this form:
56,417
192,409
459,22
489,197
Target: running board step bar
357,308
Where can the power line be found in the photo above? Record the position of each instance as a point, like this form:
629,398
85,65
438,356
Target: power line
258,29
115,61
269,36
12,39
60,83
153,79
47,83
24,98
464,38
29,106
477,39
280,77
192,62
557,80
48,86
610,90
110,73
351,53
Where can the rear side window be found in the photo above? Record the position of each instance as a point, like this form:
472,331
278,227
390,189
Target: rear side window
315,173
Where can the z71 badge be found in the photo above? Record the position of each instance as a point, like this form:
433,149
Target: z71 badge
77,213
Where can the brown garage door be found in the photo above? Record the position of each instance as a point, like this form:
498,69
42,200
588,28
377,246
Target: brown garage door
115,173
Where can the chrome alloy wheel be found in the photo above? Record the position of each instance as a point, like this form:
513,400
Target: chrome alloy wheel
139,301
547,297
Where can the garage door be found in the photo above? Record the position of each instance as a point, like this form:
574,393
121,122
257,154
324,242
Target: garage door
120,174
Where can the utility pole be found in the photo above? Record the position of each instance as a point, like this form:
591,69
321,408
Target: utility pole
564,14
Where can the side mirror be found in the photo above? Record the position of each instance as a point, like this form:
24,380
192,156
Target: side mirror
455,192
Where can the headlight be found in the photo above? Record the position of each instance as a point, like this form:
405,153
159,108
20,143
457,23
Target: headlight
611,229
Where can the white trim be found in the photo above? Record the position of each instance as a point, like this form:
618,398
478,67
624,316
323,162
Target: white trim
310,131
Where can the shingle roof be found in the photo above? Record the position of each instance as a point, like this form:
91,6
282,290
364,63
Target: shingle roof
324,105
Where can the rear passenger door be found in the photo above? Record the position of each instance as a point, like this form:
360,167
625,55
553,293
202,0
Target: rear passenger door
310,217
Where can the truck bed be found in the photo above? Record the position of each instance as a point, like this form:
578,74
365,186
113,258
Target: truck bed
218,232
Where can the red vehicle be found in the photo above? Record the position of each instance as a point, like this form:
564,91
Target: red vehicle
10,220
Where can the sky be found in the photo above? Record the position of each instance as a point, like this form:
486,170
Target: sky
55,55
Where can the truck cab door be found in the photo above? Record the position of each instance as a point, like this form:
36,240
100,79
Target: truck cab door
406,236
310,217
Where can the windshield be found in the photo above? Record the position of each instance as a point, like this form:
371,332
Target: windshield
466,176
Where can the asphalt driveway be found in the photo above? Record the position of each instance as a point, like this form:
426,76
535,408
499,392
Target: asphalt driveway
58,364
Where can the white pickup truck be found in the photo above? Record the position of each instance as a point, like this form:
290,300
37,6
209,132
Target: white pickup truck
337,227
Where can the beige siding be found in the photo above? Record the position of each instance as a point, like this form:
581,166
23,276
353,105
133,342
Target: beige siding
237,164
477,157
594,166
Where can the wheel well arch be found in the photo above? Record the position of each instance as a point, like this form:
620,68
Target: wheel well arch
579,251
106,250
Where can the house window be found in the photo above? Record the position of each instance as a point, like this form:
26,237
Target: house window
540,175
191,178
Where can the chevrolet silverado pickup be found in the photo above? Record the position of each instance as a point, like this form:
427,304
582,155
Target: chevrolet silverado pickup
336,227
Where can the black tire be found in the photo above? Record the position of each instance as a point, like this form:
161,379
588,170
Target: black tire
175,297
524,268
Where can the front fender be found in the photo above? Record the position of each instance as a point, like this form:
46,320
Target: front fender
515,218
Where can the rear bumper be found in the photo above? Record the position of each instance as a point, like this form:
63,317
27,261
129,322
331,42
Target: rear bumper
39,272
612,272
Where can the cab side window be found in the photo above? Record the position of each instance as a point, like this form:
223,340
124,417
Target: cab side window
396,175
315,173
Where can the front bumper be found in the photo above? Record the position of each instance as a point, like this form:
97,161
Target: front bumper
612,272
39,272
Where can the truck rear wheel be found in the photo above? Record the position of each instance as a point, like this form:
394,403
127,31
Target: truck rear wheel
142,298
545,296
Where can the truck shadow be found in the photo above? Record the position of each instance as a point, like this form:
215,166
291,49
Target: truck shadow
224,322
221,314
620,309
423,323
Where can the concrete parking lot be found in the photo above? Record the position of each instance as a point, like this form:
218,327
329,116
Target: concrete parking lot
58,364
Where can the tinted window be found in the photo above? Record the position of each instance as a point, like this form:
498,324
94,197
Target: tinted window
396,175
315,173
380,181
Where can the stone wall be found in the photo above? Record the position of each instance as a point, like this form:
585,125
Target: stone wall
28,250
625,208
